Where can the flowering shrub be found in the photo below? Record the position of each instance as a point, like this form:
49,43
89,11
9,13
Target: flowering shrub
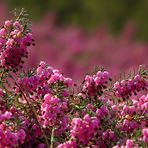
43,108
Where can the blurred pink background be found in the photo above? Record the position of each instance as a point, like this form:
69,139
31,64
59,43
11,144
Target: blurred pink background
76,51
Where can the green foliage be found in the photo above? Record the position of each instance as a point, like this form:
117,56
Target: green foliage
90,13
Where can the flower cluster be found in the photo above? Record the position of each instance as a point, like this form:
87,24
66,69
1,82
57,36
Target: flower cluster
10,136
53,113
84,129
126,88
113,123
14,42
138,106
11,139
96,83
44,80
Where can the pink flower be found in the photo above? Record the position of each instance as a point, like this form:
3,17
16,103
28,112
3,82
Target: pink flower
2,32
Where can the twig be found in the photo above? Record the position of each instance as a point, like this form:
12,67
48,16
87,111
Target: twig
52,137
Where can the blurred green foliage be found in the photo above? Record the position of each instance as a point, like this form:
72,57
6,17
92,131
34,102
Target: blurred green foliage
91,13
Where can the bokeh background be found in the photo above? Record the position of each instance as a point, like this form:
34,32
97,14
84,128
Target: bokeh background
76,36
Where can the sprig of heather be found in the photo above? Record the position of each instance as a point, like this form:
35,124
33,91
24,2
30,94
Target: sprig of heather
43,81
15,37
94,85
126,88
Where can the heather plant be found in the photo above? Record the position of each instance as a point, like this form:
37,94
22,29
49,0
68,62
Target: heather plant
42,108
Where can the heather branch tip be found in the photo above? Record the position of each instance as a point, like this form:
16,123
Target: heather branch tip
15,38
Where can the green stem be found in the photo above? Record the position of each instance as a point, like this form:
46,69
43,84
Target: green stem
52,137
